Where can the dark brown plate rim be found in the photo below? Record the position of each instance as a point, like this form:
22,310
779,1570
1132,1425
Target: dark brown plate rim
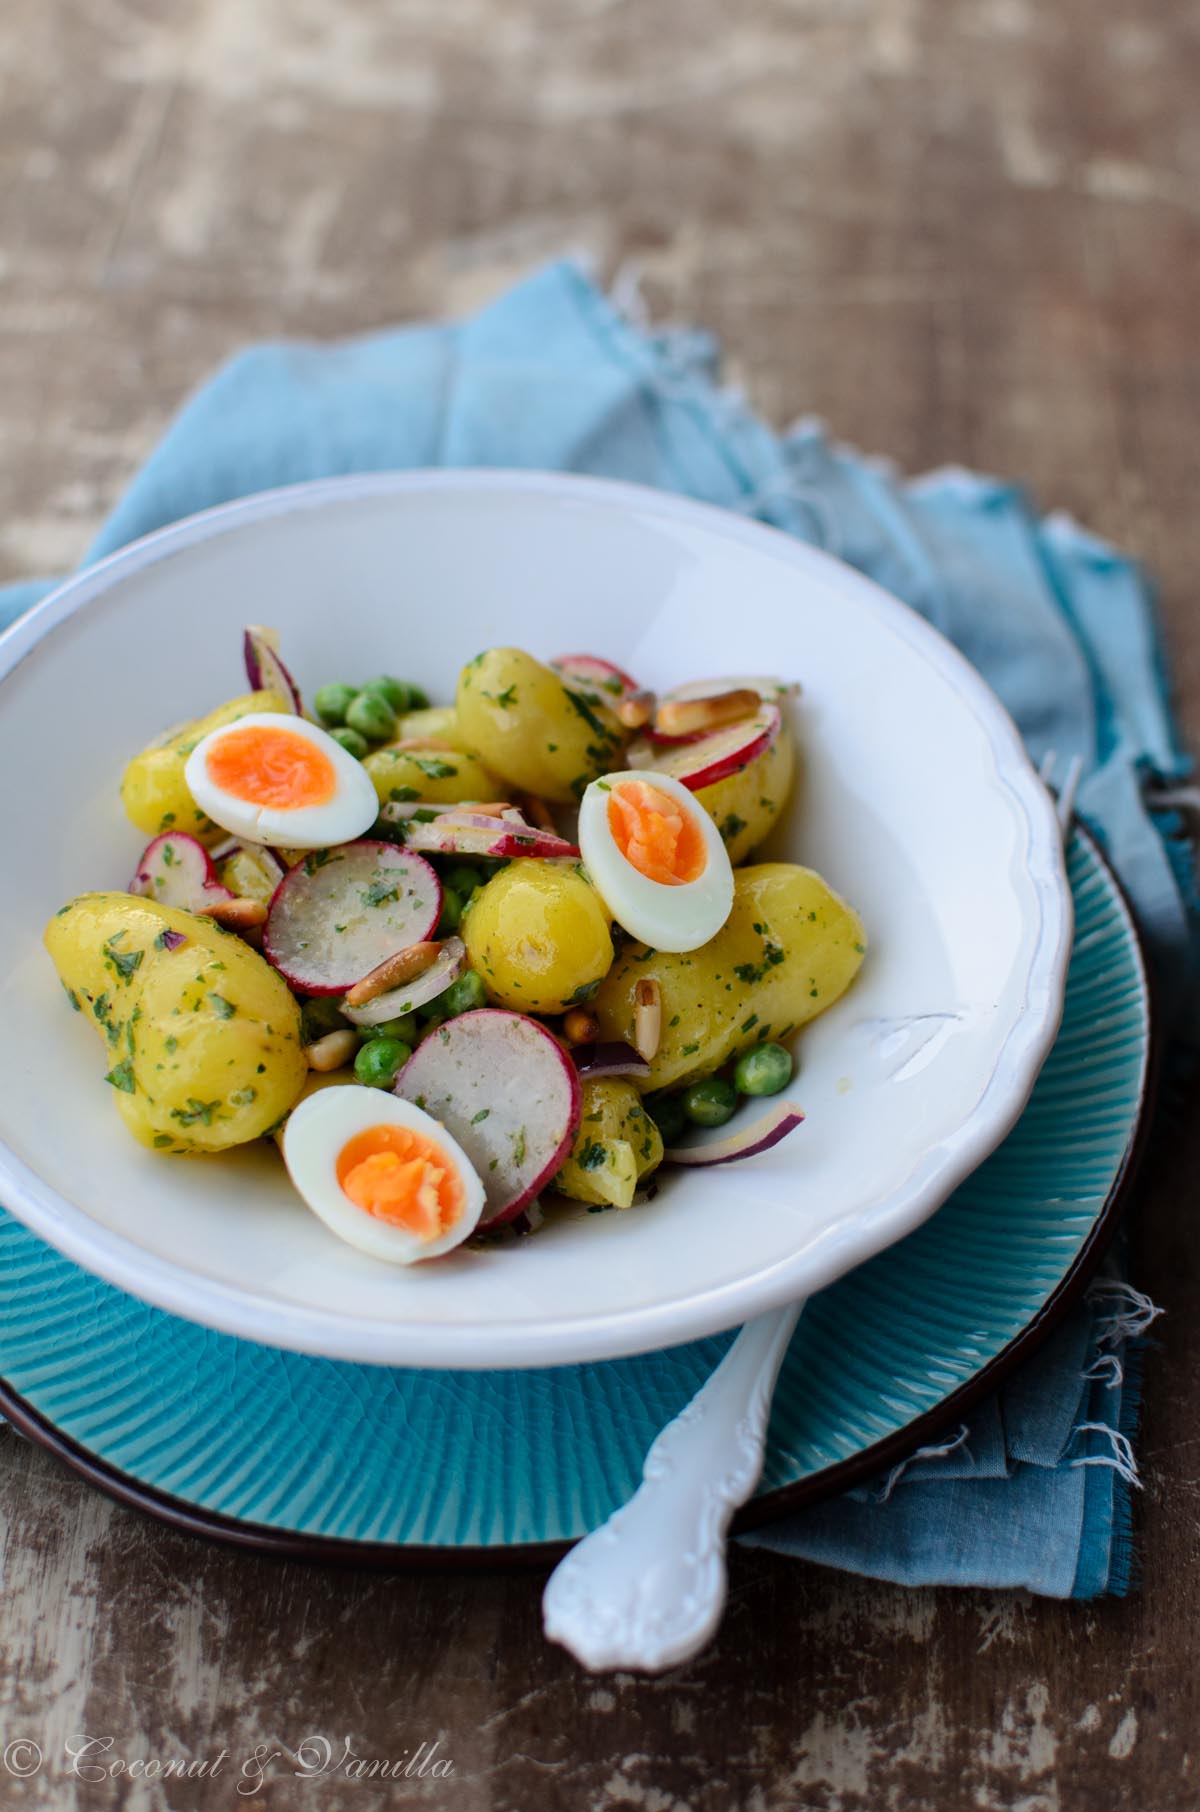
330,1550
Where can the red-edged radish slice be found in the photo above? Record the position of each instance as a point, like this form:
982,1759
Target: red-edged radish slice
264,669
471,834
176,870
590,673
446,967
707,759
507,1092
611,1059
747,1142
339,912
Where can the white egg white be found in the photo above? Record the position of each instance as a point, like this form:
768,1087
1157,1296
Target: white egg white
313,1139
671,918
352,810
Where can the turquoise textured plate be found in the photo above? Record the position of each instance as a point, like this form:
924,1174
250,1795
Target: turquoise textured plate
335,1460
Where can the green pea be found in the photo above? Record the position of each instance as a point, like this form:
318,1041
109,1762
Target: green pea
403,1027
372,717
319,1016
332,702
463,879
452,911
710,1102
380,1062
418,698
464,995
351,741
763,1070
667,1113
396,693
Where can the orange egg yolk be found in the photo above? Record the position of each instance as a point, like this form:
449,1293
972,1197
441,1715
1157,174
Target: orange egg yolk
276,768
402,1177
655,834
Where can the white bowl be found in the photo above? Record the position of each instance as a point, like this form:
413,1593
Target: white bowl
916,801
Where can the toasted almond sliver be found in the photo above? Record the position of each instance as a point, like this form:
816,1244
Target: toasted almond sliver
580,1026
402,966
236,914
647,1018
635,709
333,1051
684,716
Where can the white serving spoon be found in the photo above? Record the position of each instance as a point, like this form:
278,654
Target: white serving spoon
647,1588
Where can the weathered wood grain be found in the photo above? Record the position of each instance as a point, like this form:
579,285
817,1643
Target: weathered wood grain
958,233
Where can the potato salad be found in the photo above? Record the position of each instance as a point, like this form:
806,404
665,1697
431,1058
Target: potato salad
459,961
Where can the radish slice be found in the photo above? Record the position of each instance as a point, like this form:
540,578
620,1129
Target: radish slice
590,673
774,1125
703,760
264,669
446,967
340,911
472,834
176,870
508,1092
614,1059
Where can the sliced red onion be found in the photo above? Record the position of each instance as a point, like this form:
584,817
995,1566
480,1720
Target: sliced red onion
612,1059
264,669
747,1142
446,967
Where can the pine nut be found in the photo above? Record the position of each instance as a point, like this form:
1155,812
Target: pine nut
402,966
580,1026
647,1019
634,710
237,914
332,1052
684,716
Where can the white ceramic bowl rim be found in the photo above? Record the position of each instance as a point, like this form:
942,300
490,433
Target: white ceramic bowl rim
573,1339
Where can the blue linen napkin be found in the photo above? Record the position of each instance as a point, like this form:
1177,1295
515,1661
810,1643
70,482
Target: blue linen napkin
1035,1490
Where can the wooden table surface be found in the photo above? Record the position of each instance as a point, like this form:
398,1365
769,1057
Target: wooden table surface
958,233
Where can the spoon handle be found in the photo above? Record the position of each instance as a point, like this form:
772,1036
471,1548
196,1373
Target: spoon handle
646,1589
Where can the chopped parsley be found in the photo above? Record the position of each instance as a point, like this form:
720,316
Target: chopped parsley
592,1155
403,795
224,1009
196,1112
731,824
242,1097
433,768
379,893
123,963
121,1076
481,1115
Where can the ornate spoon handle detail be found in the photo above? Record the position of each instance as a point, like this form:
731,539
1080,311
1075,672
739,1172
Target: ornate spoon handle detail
646,1589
